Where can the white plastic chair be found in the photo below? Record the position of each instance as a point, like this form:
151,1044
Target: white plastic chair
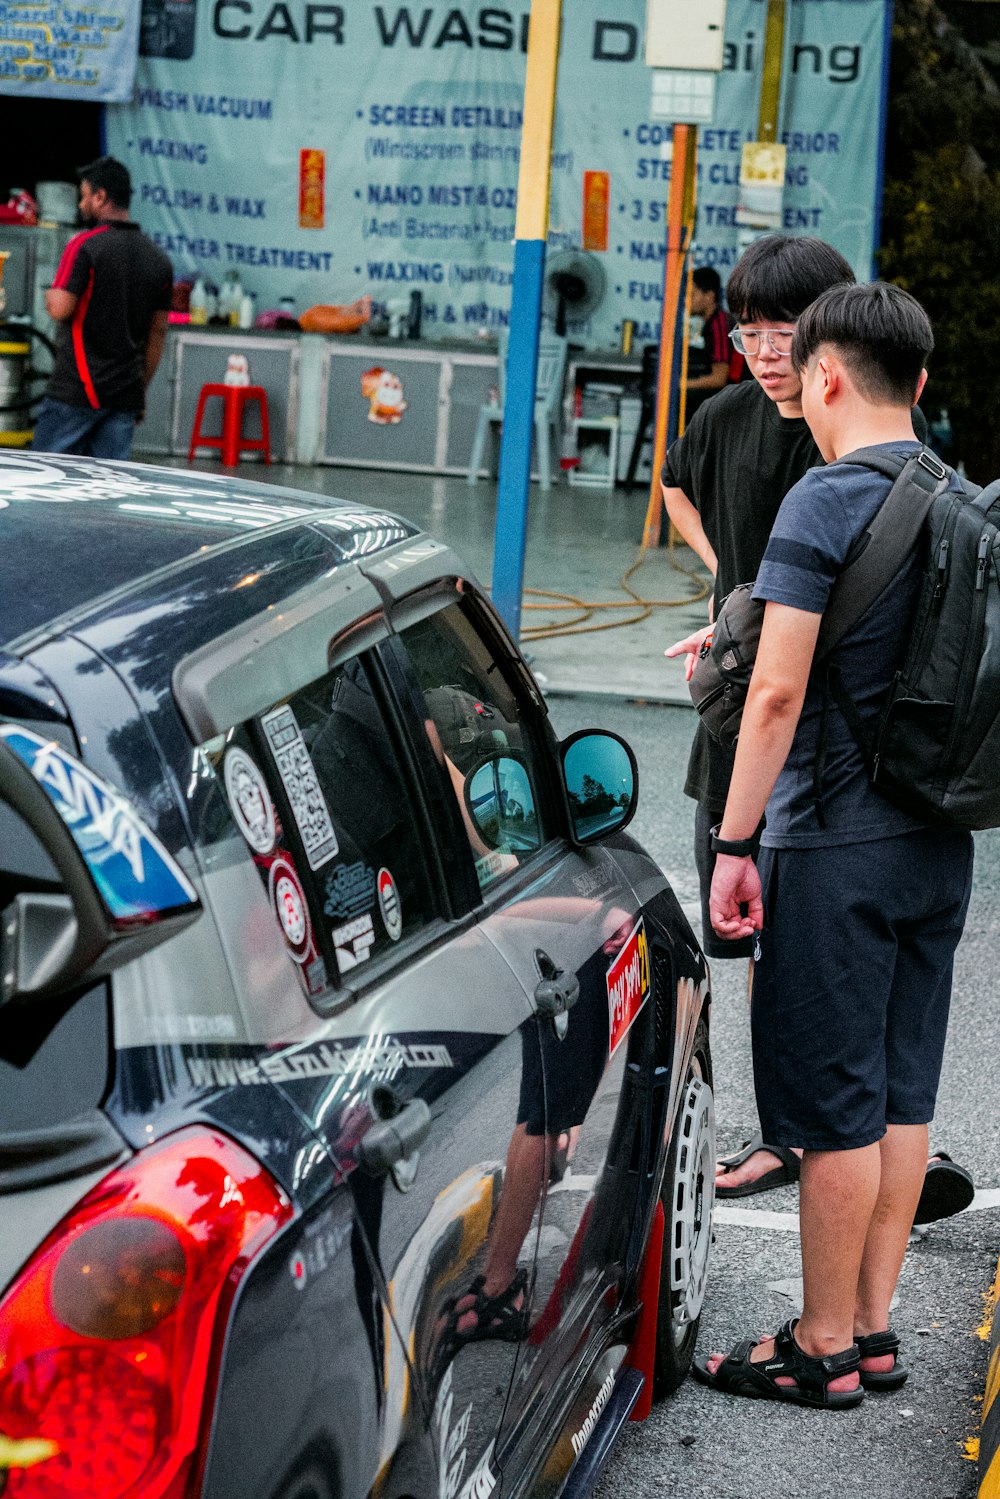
548,396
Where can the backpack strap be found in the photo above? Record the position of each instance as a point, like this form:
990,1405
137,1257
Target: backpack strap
862,738
896,527
869,569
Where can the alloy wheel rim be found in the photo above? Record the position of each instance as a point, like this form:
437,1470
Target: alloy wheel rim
693,1197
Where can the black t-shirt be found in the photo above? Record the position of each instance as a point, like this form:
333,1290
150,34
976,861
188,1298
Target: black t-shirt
120,279
735,463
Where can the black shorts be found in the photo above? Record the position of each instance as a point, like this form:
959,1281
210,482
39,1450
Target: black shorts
714,946
852,985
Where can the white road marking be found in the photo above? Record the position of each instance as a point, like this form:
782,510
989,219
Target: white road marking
571,1183
789,1222
759,1217
756,1218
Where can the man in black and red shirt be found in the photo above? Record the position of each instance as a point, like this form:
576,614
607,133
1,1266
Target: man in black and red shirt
111,298
712,366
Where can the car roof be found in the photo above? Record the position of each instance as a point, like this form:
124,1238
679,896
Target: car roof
76,531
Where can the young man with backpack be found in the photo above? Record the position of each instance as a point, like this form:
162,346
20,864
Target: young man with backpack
723,482
856,906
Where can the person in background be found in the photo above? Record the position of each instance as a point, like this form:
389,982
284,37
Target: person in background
110,298
709,367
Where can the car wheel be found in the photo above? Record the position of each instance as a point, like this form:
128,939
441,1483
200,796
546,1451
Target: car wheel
687,1195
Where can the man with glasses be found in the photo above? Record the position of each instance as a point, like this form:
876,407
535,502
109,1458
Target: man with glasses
723,483
724,480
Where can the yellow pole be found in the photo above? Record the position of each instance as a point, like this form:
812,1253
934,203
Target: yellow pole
680,227
770,88
535,172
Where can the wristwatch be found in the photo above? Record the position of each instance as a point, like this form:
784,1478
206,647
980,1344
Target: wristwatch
738,848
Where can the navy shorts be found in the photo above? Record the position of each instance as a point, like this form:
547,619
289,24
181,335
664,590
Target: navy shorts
714,946
852,985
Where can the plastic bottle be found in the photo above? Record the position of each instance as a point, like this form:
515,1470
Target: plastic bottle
248,309
198,302
235,299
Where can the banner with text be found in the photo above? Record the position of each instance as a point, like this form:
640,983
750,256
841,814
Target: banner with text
85,52
326,150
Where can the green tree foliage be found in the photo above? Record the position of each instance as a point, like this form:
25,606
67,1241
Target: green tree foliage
941,218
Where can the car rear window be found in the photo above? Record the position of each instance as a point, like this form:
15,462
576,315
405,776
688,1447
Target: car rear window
316,789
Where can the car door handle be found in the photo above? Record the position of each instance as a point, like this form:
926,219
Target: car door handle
557,994
392,1141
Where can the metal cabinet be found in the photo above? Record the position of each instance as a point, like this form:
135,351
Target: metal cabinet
402,406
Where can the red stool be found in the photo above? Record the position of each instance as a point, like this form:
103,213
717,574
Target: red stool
232,442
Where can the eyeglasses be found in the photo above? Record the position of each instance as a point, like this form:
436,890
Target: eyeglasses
747,340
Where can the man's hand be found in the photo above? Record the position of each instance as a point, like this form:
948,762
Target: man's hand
735,883
689,646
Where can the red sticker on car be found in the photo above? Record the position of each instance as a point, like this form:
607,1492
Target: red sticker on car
388,904
289,902
628,985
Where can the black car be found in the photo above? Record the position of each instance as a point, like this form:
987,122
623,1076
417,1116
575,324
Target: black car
356,1120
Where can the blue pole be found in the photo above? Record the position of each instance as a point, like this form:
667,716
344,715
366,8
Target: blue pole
531,230
518,428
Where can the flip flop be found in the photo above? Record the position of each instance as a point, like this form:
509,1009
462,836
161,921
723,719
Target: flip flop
946,1191
778,1176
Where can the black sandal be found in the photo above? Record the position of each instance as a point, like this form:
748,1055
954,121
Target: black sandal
496,1316
778,1176
948,1189
736,1375
879,1345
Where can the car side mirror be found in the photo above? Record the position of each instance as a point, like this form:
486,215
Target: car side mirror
602,784
500,800
120,891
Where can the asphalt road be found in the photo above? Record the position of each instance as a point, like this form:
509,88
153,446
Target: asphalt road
701,1445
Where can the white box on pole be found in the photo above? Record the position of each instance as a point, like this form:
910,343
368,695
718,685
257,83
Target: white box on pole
687,34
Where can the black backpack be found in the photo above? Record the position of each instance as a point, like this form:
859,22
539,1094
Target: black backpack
934,748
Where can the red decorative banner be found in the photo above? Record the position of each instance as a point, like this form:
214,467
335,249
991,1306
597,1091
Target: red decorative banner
312,189
628,985
596,203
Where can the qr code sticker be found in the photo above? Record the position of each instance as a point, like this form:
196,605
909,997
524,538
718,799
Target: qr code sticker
298,777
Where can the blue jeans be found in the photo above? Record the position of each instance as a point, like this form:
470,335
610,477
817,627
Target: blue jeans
60,428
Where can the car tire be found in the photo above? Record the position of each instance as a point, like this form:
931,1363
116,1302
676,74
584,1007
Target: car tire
687,1195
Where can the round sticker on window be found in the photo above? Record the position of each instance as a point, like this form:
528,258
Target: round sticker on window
289,902
388,904
250,801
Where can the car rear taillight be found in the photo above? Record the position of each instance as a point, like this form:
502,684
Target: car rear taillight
110,1337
